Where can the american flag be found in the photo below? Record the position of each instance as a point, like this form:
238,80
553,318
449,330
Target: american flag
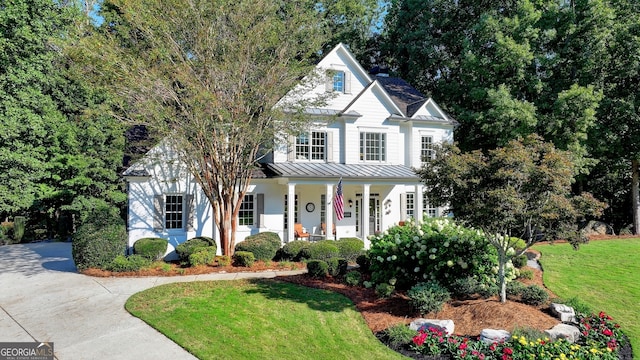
338,202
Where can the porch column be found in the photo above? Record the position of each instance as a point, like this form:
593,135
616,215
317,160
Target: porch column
418,212
329,212
291,201
366,193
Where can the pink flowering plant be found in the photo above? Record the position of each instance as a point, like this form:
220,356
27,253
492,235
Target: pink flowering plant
601,339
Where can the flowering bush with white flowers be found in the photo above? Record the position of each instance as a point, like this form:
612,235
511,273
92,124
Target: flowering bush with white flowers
432,249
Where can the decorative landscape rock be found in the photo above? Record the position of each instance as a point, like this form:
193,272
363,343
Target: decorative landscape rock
490,336
597,228
564,331
438,324
563,312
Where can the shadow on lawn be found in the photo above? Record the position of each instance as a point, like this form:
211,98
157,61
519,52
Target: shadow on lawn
316,299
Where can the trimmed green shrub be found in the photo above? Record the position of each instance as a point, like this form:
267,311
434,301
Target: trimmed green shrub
223,260
337,266
317,268
353,278
19,226
488,290
534,295
151,248
323,250
578,305
350,248
99,240
400,334
520,261
128,263
464,287
264,245
364,262
293,251
203,256
428,297
515,289
384,290
243,259
190,246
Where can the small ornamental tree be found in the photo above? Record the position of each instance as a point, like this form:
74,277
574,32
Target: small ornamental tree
522,190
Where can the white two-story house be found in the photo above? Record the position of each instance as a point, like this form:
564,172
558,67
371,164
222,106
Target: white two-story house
371,134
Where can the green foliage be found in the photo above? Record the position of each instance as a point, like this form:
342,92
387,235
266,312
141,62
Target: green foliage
323,250
530,334
464,287
431,249
384,290
294,251
350,248
399,334
19,225
520,261
428,297
534,295
525,274
515,289
318,269
488,290
223,260
128,263
151,248
353,278
264,245
243,259
337,266
203,256
190,246
99,240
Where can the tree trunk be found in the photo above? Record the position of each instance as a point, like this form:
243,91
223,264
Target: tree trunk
635,193
502,260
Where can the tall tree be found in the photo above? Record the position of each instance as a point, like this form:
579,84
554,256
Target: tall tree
209,76
520,190
60,153
497,65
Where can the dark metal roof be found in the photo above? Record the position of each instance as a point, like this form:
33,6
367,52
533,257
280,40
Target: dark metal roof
333,170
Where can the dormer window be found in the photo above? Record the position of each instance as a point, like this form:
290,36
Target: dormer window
338,81
311,146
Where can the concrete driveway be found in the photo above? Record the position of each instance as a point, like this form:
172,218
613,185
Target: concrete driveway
43,298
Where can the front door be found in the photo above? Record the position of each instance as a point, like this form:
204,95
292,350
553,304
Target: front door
375,217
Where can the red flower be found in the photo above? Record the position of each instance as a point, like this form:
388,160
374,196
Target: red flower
492,347
507,351
463,346
419,339
607,332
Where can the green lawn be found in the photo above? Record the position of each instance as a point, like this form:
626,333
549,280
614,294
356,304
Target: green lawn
258,319
603,274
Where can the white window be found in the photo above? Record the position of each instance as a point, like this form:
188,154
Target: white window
410,205
338,81
246,214
427,208
373,147
426,148
311,146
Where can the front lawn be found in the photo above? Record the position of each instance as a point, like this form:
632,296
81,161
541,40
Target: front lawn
604,274
258,319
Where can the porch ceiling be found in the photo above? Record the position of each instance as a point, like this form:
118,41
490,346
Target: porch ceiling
347,171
